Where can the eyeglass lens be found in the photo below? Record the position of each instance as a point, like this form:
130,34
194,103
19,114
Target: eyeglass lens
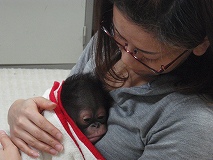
108,27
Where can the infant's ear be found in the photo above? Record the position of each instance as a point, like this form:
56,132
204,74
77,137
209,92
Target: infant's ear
201,48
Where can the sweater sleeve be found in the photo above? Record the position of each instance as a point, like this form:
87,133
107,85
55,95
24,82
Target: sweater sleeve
186,134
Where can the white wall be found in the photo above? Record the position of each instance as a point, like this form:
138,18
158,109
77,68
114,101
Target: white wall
41,31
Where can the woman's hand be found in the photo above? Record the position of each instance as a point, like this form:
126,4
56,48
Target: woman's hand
29,127
8,151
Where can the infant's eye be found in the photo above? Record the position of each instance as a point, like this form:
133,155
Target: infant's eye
101,117
87,120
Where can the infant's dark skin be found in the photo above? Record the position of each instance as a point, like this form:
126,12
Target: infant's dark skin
87,103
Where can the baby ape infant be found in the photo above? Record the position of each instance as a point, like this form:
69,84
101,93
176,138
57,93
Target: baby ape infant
87,103
83,99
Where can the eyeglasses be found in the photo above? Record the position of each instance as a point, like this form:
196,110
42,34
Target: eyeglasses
108,27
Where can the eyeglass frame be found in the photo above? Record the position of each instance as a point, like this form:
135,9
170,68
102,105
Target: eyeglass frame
124,47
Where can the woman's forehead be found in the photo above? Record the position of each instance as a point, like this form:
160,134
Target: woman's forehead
135,34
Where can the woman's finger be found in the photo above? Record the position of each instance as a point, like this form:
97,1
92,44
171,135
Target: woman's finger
43,103
41,141
42,122
25,148
31,128
8,151
5,140
35,137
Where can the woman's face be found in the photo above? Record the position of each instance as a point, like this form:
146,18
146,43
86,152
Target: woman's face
151,52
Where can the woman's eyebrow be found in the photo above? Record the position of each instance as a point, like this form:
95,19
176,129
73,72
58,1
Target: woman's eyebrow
146,52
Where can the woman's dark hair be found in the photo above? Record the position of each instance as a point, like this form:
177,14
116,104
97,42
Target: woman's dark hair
178,23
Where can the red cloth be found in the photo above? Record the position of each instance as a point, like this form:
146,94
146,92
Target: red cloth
66,121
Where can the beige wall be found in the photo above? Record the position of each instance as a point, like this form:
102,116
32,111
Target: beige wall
41,31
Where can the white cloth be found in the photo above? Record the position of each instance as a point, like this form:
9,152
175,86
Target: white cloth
76,145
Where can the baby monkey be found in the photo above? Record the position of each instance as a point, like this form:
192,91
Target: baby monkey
87,102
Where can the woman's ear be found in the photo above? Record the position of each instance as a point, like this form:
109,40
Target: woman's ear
201,48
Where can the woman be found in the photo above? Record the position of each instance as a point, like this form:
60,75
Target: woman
8,150
156,59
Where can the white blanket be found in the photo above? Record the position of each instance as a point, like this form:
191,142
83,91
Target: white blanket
76,145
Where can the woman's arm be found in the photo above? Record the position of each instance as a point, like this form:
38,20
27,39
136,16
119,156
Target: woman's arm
8,151
28,126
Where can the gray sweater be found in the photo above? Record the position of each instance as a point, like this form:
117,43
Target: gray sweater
154,122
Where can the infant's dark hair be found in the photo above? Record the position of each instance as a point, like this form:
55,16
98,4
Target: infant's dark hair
82,90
